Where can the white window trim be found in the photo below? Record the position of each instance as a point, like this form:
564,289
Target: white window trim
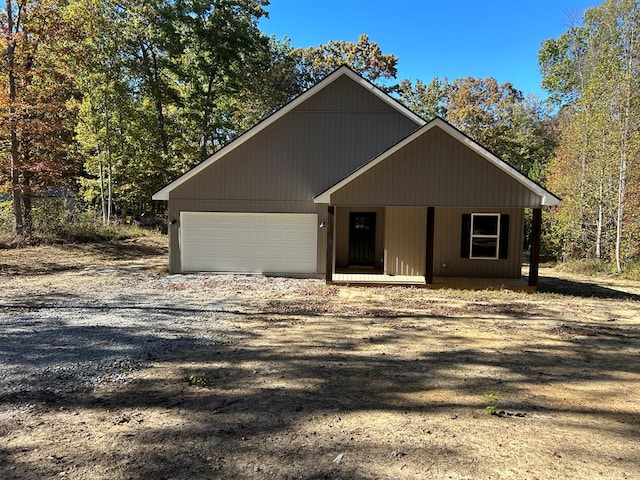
496,236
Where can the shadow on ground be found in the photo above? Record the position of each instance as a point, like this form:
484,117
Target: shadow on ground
284,392
261,387
583,289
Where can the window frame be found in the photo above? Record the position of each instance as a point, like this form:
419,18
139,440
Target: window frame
478,236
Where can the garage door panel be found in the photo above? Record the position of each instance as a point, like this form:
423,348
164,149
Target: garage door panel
248,242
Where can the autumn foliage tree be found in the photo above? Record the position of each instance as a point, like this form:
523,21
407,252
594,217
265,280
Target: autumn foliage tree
593,73
364,56
35,124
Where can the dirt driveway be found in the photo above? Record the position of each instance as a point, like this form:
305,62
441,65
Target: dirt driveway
142,375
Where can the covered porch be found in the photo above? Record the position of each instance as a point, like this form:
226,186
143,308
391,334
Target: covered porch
435,209
420,246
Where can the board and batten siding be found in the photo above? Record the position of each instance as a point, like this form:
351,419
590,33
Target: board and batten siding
405,240
306,151
283,167
448,231
436,170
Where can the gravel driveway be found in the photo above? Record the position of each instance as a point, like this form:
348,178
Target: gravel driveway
62,340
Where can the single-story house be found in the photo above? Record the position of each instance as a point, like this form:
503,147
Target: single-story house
346,183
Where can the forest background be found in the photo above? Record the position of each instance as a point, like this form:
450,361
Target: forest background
104,102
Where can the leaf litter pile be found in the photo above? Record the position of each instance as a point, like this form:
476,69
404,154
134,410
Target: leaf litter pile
293,379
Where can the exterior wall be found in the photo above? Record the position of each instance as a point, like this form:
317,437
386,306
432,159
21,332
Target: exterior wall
448,230
284,166
305,152
405,240
342,235
437,170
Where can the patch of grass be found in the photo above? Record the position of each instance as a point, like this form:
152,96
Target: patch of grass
589,267
200,379
632,271
88,231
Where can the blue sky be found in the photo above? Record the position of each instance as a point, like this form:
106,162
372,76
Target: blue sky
455,38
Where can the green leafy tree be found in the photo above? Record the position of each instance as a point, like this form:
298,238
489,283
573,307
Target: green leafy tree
222,51
427,100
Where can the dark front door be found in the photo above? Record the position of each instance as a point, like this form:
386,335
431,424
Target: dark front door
362,238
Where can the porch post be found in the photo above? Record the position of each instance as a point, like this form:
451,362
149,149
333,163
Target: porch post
329,268
428,273
534,262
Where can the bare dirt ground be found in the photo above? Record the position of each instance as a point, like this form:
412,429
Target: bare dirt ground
293,379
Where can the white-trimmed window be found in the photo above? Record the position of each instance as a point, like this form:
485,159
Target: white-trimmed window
485,236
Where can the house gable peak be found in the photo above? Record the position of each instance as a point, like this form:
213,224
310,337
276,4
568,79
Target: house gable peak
546,197
275,116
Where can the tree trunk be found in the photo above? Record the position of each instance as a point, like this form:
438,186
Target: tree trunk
150,61
26,201
164,141
599,229
107,125
109,191
103,205
600,217
16,194
622,182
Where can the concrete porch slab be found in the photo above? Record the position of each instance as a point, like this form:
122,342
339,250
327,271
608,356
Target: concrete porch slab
463,283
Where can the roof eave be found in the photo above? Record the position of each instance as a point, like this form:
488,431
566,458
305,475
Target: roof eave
549,200
161,195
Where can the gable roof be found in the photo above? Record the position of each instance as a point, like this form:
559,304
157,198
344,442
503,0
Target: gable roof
547,198
274,117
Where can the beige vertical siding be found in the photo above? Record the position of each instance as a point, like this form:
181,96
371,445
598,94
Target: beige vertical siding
342,235
284,166
435,169
448,229
323,215
305,152
405,240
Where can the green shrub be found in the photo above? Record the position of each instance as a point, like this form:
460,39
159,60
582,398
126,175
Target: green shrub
593,267
587,267
492,399
631,270
54,220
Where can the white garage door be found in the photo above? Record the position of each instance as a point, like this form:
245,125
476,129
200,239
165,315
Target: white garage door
248,242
